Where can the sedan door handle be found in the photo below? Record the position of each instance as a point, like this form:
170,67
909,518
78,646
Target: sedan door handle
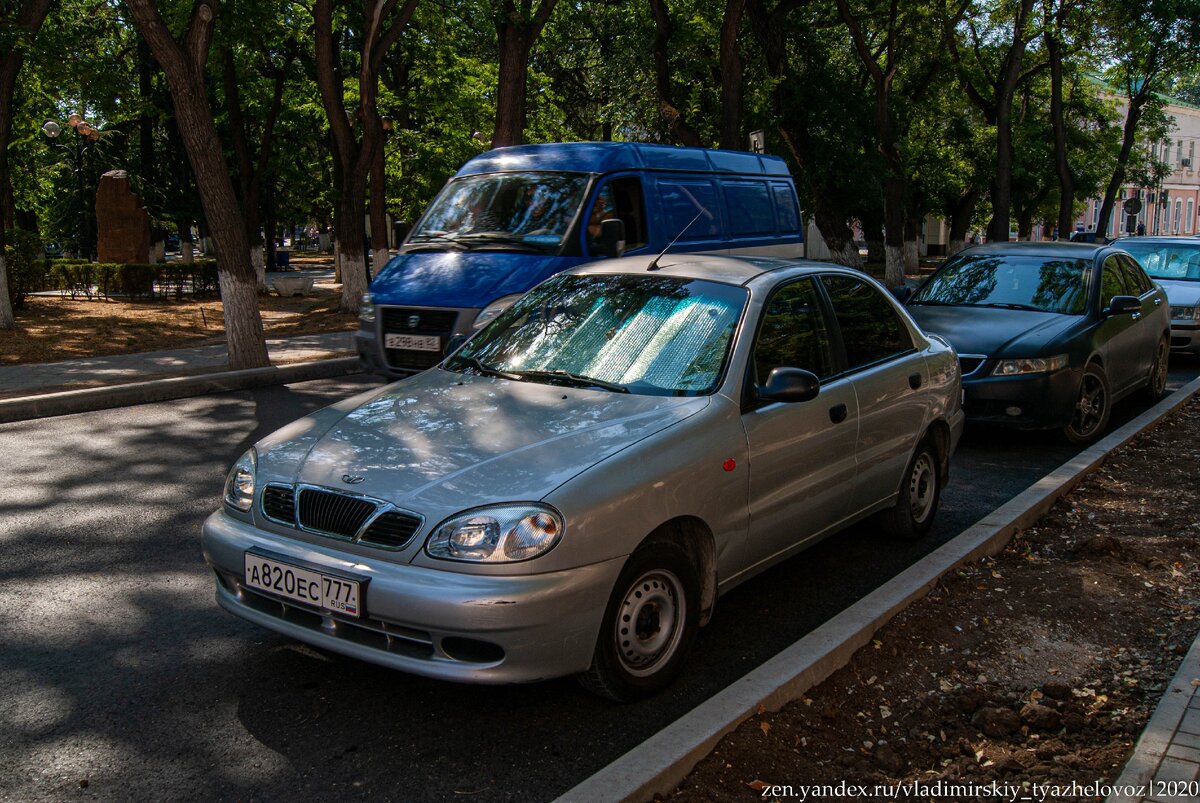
1158,302
1136,316
837,413
914,381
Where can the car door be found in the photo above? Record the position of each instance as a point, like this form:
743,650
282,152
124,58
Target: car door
1151,324
888,373
1120,337
802,461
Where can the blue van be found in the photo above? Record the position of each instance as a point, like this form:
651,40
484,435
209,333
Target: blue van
512,217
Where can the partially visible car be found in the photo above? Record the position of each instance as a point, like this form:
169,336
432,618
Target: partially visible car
1174,263
1050,335
571,489
1087,237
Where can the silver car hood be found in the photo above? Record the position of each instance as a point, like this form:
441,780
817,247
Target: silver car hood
441,440
1183,293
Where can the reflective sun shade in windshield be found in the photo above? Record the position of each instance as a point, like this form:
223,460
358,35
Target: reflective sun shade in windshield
1040,283
1167,260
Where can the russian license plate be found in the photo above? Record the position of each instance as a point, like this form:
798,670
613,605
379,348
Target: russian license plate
413,342
308,587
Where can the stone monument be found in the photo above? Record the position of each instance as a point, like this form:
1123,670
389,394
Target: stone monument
122,223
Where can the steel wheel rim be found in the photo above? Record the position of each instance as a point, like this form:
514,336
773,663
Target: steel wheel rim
1158,375
922,487
650,622
1089,409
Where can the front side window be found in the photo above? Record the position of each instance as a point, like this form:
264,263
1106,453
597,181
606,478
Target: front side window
1166,261
650,335
1112,283
531,211
870,326
1136,281
1010,281
620,198
793,333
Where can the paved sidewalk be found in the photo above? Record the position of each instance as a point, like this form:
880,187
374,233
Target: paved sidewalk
28,380
1166,761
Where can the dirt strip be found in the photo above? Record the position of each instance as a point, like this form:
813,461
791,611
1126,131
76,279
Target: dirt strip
1038,667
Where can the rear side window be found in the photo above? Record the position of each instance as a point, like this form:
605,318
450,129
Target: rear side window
793,333
871,328
787,215
682,201
749,206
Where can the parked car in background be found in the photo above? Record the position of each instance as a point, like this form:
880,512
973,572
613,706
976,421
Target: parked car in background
512,217
1050,335
571,490
1089,237
1174,262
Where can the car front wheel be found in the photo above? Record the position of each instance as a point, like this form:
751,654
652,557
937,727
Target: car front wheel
1090,416
650,622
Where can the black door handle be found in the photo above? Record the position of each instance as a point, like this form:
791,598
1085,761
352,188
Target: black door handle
837,413
914,381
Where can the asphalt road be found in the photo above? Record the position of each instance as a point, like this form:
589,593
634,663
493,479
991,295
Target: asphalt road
120,677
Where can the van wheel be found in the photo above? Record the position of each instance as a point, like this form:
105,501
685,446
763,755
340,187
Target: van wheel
648,627
1157,384
1092,407
920,493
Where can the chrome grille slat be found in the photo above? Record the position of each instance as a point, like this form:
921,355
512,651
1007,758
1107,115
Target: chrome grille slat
279,504
392,529
333,513
322,511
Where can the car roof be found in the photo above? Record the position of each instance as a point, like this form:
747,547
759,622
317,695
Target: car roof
725,269
605,157
1054,248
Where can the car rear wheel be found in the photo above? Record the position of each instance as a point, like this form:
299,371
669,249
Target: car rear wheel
1089,419
1157,384
650,622
920,493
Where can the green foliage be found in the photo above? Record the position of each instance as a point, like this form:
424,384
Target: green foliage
25,274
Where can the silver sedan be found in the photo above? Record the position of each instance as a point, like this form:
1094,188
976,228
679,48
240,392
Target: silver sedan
571,490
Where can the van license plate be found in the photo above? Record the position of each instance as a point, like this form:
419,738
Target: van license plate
301,585
413,342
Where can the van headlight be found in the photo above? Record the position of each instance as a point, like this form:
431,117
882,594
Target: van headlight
366,310
497,534
492,311
239,484
1030,365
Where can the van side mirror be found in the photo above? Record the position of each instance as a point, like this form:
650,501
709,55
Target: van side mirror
1123,305
612,237
790,385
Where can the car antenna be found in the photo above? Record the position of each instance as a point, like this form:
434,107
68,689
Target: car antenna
654,265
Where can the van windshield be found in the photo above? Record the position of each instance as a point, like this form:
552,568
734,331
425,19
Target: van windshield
506,211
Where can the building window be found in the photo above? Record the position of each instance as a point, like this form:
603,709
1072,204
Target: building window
1192,155
1191,211
1178,213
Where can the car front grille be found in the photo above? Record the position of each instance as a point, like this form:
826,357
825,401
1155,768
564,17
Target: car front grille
409,321
328,512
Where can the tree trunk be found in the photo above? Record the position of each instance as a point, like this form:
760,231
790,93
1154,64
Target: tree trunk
1066,181
674,117
960,221
515,45
731,76
838,236
379,226
183,64
1137,103
912,246
1006,89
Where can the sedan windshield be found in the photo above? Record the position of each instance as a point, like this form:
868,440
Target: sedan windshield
650,335
1166,260
1010,281
529,211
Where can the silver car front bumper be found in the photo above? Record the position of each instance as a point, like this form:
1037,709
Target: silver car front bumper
441,624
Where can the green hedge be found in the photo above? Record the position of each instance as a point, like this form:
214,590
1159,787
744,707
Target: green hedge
76,278
26,273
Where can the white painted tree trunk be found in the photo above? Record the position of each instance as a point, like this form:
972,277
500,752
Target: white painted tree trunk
379,258
354,281
7,320
912,256
187,252
893,271
954,246
848,255
260,267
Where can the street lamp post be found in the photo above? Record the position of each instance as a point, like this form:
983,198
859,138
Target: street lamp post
86,137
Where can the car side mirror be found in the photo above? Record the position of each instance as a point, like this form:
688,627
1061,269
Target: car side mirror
454,344
790,385
1123,305
902,293
612,237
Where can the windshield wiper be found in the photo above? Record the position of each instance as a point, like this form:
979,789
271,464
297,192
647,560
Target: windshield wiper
487,370
579,380
1005,305
438,241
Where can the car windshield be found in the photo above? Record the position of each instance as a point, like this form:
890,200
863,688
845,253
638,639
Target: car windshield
1166,260
525,211
648,335
1010,281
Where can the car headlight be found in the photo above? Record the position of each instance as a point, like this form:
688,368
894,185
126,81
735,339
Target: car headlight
492,311
1030,365
1185,313
239,485
499,534
366,310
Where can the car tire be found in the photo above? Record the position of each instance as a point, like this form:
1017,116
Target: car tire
1156,384
1093,403
651,620
920,494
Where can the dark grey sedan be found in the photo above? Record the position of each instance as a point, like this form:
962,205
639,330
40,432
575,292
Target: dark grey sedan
1049,334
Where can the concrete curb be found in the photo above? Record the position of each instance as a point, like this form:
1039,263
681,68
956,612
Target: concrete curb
179,387
1151,751
657,765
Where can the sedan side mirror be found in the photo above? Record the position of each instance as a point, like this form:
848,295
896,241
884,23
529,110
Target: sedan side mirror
454,344
902,293
790,385
612,237
1123,305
